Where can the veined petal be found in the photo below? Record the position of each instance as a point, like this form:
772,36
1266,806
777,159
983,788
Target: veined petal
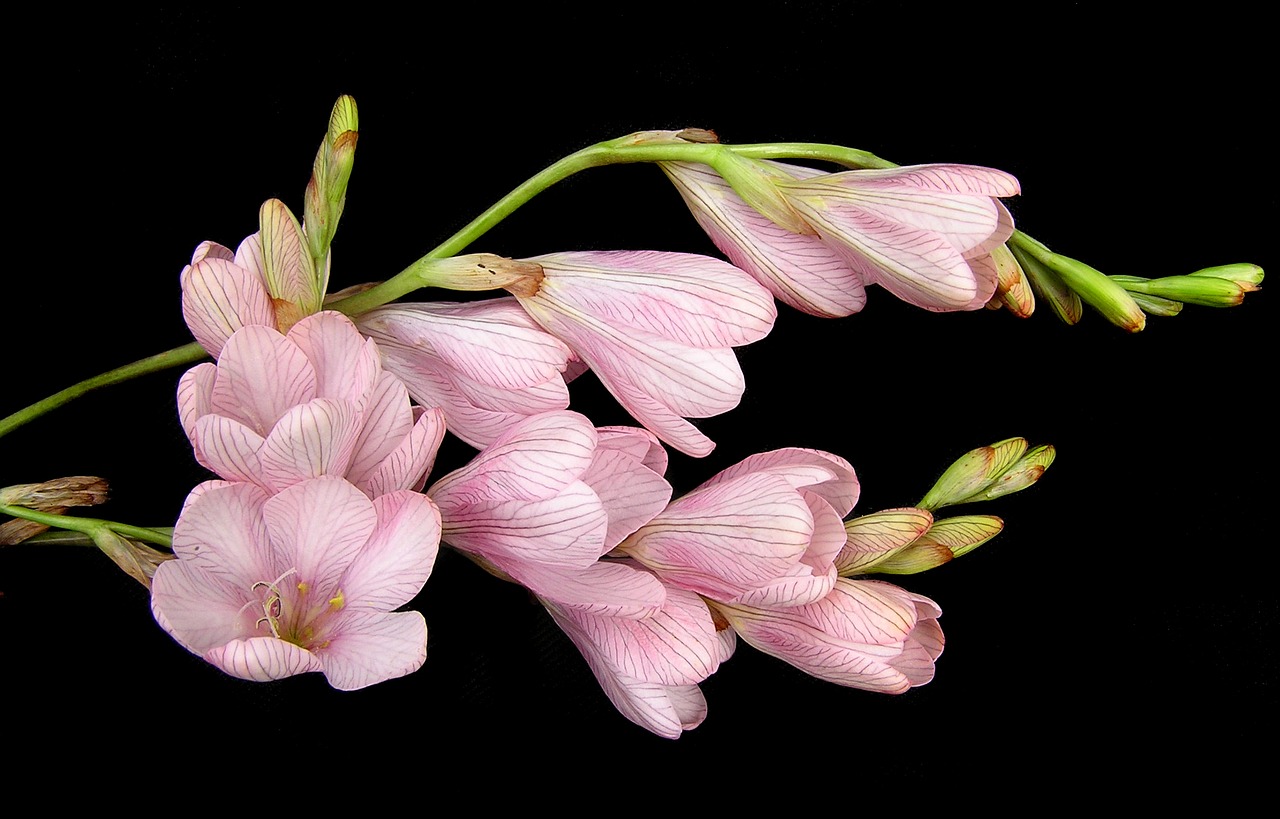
727,538
312,439
212,250
387,418
346,364
533,460
408,465
218,298
864,611
395,563
221,533
493,342
606,588
197,608
371,647
229,449
261,659
799,269
829,476
319,527
195,395
873,537
566,530
917,266
640,444
695,300
261,375
632,493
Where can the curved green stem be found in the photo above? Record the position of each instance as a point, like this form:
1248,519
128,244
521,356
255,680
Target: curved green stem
186,354
88,526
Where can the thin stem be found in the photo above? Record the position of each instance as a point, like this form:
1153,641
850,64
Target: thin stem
88,526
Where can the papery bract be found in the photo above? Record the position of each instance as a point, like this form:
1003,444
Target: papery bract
279,409
658,329
765,531
549,497
865,634
486,364
268,586
650,666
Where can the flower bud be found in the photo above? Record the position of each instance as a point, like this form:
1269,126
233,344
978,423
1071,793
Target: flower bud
1013,288
875,538
1224,286
54,497
482,271
946,540
289,272
1048,286
989,472
327,188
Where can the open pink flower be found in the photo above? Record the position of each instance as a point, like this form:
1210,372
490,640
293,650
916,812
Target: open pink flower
658,329
650,667
268,586
865,634
543,502
486,364
925,232
278,409
763,532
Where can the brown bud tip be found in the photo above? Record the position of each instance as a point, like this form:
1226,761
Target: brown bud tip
702,135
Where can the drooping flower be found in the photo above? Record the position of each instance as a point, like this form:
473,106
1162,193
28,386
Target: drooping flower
486,364
270,280
309,579
763,532
543,502
925,232
658,329
278,409
650,666
865,634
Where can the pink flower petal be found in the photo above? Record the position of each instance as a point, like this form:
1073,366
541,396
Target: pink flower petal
261,376
370,647
395,563
218,298
261,659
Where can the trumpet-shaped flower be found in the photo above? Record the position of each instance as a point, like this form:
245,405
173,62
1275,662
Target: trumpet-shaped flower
543,502
865,634
270,280
268,586
650,666
766,531
278,409
658,329
486,364
925,232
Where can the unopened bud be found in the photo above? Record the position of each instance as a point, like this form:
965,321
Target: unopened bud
54,497
989,472
482,271
288,269
874,538
1049,287
1013,289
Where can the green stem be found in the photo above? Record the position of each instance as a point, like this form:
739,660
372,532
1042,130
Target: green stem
88,526
186,354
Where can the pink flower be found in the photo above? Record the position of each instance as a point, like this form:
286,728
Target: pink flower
270,280
865,634
650,667
543,502
278,409
486,364
658,329
925,232
268,586
764,532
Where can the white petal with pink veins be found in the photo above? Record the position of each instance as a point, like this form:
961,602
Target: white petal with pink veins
407,466
261,376
346,363
310,440
394,565
370,647
567,530
218,298
695,300
261,659
319,527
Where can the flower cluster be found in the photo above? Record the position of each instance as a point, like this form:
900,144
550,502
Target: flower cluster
321,416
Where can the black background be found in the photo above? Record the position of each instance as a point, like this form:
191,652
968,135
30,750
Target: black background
1119,632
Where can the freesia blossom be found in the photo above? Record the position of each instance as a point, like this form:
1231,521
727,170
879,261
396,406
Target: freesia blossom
267,586
650,667
763,532
658,329
925,232
486,364
278,409
865,634
545,500
270,280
